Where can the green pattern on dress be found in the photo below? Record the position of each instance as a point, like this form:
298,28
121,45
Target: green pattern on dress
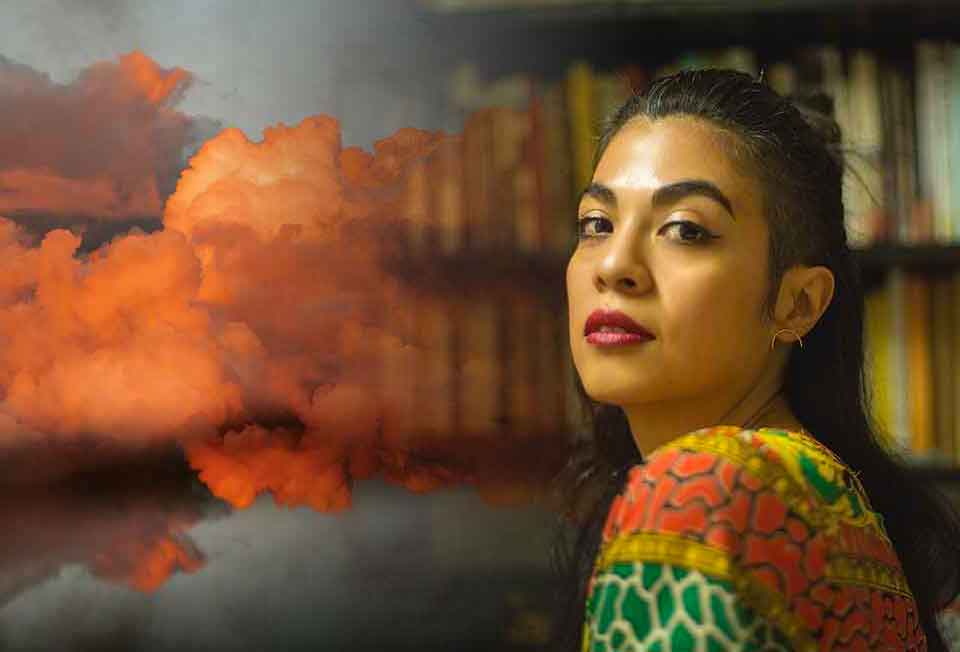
640,606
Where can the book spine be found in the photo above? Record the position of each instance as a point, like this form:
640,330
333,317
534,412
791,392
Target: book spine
415,209
398,358
898,156
954,147
942,327
738,58
520,174
505,143
582,123
558,172
551,344
940,97
611,90
437,391
898,367
479,362
915,225
782,77
478,169
866,223
449,188
955,361
919,365
479,344
834,81
925,73
433,375
522,365
878,320
637,77
536,162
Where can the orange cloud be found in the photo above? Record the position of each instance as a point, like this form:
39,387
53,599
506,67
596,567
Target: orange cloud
107,145
262,327
128,523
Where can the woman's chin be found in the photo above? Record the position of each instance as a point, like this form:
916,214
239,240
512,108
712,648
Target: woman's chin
617,395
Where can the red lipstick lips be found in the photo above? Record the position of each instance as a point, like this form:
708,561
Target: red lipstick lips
614,328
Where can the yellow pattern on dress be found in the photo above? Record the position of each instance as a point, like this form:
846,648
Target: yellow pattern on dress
793,487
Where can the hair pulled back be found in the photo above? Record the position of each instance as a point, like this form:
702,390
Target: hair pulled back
793,147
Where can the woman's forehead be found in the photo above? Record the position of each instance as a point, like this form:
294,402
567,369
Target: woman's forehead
645,155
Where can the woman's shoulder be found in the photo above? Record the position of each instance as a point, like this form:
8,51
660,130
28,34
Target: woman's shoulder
794,465
776,515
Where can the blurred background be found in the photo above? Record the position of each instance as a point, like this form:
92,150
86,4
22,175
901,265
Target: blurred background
285,358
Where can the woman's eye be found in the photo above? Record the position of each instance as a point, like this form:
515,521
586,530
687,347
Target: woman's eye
589,227
688,232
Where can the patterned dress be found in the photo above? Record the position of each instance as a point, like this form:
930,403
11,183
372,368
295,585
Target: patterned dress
735,539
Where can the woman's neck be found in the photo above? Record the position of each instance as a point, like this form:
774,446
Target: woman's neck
653,425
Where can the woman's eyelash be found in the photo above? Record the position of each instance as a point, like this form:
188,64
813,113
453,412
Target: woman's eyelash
582,225
702,233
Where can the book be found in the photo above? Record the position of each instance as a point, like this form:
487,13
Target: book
878,359
864,192
899,155
527,168
523,402
955,361
941,343
398,358
447,187
558,180
611,90
901,422
919,364
552,343
535,159
953,161
736,57
479,365
782,77
512,222
479,328
583,123
478,171
931,126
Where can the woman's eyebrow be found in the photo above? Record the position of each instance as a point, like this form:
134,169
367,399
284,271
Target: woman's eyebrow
671,192
601,193
666,194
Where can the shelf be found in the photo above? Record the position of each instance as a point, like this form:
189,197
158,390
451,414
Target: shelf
614,8
541,38
924,257
509,270
482,271
931,259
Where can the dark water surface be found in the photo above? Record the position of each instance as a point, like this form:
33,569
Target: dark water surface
398,570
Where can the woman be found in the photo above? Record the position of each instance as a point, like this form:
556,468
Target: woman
743,501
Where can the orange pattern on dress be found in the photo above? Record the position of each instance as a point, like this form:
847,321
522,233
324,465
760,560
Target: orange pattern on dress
841,583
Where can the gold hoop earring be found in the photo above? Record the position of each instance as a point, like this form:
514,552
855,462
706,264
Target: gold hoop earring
786,330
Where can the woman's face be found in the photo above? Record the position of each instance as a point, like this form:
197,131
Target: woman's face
687,262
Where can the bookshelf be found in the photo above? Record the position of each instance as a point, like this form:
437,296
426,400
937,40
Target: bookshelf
542,35
497,263
925,257
527,58
488,268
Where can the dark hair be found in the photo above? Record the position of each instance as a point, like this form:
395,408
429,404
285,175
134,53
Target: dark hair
793,146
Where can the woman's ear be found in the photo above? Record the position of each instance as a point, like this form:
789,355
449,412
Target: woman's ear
805,293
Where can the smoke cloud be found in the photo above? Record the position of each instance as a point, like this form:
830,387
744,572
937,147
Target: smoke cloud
126,524
261,328
107,145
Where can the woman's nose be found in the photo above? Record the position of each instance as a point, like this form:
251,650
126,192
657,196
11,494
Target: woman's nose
622,269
